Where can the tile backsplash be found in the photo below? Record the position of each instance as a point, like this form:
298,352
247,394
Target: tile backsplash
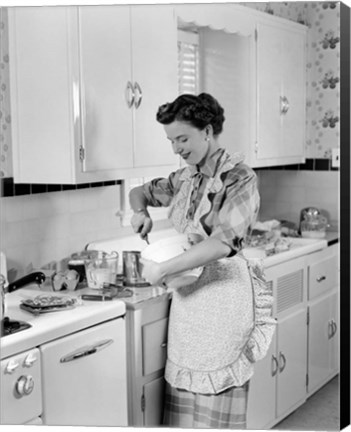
40,228
284,193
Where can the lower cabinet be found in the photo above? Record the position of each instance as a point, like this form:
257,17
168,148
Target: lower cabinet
323,313
153,393
147,326
291,363
323,340
304,353
278,385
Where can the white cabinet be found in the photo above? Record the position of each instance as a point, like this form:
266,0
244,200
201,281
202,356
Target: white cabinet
304,354
281,87
84,377
86,83
254,63
147,327
323,328
278,385
291,358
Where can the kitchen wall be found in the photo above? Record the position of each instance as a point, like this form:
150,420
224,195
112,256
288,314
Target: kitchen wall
37,228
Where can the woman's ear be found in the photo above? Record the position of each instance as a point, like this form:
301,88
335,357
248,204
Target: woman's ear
209,130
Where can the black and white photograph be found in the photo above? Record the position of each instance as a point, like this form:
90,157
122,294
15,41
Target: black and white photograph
174,215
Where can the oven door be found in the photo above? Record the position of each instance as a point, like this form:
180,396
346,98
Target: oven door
85,377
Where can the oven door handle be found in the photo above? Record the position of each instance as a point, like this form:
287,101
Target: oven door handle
86,351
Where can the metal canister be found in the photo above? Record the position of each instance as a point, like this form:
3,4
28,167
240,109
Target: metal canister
132,268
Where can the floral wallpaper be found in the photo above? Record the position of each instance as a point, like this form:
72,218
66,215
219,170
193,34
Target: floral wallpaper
323,76
5,113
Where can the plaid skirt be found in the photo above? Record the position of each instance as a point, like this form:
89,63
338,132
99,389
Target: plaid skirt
227,409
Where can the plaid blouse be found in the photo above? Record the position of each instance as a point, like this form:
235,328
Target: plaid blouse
233,209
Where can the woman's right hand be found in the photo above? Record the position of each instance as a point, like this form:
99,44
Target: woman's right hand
141,223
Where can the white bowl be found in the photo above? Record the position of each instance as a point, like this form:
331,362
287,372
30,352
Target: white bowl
168,248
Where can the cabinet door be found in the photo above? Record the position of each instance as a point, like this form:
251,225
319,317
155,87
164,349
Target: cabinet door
335,339
269,91
322,341
154,348
154,402
281,87
105,70
292,359
41,86
155,65
262,391
293,89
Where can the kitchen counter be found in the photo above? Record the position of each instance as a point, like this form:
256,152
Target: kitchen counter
53,325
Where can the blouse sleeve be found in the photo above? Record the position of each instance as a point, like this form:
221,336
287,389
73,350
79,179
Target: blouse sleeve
239,209
160,191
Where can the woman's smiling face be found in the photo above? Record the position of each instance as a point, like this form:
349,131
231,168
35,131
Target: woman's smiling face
188,141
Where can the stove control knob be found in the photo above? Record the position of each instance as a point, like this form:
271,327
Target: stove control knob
11,366
24,385
30,360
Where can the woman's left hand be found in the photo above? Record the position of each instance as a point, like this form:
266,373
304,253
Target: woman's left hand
152,272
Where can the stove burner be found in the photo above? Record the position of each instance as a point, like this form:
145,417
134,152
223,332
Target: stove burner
9,326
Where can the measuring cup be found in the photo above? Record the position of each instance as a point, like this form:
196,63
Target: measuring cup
102,270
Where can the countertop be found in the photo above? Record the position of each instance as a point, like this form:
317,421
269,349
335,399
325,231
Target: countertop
53,325
89,313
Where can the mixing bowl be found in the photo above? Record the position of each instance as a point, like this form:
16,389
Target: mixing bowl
171,247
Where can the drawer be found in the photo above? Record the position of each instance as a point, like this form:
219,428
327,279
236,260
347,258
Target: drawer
154,345
322,276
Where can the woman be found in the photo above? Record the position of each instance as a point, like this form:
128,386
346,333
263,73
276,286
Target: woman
221,324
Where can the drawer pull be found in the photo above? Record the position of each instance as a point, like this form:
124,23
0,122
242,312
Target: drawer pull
163,345
321,278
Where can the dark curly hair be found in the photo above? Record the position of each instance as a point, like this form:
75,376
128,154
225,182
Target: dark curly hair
200,111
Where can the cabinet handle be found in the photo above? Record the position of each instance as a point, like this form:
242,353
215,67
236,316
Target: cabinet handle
274,366
330,329
283,363
321,278
334,327
129,94
138,91
86,351
284,105
163,345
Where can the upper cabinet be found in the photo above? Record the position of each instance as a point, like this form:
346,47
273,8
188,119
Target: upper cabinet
281,86
254,64
86,83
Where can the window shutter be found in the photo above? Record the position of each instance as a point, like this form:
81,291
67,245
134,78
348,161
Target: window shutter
188,62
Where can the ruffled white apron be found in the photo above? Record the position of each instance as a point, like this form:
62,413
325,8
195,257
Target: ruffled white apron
221,324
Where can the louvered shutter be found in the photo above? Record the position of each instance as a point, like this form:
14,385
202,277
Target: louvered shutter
188,62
